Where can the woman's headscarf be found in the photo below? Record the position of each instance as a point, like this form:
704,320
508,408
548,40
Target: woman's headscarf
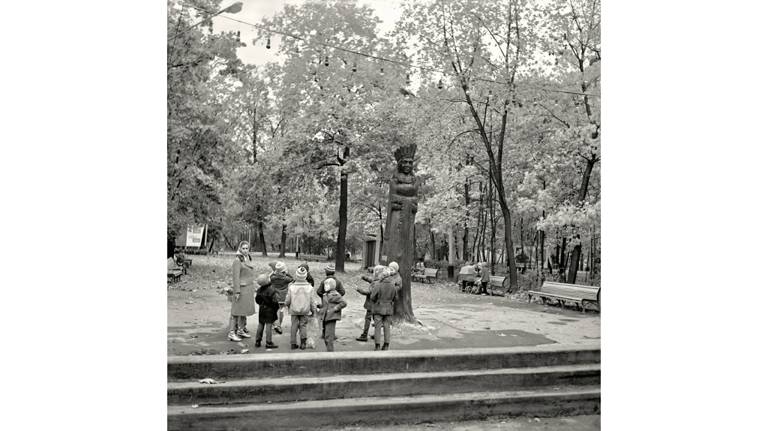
239,252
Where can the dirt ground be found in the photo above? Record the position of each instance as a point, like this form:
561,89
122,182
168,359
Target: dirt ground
198,315
569,423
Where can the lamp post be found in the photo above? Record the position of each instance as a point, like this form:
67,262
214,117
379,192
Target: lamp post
233,9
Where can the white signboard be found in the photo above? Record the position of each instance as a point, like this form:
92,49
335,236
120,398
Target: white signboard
195,235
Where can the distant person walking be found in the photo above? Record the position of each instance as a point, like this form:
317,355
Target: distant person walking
330,312
243,291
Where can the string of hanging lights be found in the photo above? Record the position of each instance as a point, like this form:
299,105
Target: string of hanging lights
407,65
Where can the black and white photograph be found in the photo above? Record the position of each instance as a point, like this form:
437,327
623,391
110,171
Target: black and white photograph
384,215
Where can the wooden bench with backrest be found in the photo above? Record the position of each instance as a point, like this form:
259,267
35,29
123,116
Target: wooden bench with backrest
429,275
498,282
562,293
174,271
183,262
313,257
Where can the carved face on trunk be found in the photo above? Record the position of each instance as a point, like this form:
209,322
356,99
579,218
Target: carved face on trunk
405,166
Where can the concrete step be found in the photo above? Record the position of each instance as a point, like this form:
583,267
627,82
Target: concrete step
365,385
316,364
543,402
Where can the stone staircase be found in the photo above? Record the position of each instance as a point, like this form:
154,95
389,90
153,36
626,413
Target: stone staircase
310,390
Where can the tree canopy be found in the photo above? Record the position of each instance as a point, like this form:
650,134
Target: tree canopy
502,98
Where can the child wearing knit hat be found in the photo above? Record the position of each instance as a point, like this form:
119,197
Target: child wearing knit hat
266,297
330,270
300,306
330,311
280,280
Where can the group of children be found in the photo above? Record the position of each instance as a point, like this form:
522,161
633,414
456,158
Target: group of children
278,293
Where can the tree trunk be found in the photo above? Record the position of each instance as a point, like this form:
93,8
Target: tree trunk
492,206
541,244
210,247
576,258
380,239
342,238
561,263
432,240
509,246
283,237
573,266
522,244
481,246
262,241
465,249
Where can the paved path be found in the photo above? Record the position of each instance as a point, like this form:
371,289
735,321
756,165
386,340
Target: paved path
198,316
571,423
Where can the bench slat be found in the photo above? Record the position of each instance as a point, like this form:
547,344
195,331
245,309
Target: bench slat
566,291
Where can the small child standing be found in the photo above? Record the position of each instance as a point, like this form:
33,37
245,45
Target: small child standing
300,306
383,294
330,311
368,305
280,280
267,298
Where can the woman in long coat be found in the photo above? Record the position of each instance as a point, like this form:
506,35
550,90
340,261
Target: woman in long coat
243,292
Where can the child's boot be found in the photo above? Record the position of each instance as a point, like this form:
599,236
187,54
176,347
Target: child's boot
385,346
303,344
377,347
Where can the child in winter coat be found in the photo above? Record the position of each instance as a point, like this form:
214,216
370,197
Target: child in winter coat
330,270
330,311
310,280
280,280
300,304
267,298
383,295
394,272
366,291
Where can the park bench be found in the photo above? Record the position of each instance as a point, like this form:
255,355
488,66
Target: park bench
174,270
174,275
183,262
313,257
562,293
429,275
499,282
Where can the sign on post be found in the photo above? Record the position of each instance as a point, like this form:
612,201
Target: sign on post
195,235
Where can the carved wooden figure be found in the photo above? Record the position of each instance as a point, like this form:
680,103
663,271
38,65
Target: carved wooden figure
400,232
